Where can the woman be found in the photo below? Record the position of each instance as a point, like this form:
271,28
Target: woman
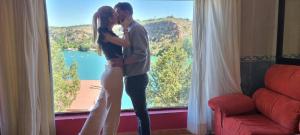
106,113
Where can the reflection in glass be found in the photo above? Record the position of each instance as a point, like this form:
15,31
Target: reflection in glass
291,37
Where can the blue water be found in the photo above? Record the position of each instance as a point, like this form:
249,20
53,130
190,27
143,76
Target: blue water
90,67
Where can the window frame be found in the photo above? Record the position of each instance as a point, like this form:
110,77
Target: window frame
176,115
57,114
280,37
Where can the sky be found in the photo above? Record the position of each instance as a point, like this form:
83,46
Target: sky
78,12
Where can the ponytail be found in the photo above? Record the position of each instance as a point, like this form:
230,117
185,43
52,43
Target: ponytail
96,23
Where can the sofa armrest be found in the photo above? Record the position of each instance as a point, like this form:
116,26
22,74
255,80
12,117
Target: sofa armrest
232,104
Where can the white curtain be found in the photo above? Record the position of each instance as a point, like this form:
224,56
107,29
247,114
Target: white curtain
216,58
26,99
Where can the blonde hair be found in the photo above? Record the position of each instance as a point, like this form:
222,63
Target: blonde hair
101,19
96,23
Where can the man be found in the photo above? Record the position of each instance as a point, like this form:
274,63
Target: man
136,66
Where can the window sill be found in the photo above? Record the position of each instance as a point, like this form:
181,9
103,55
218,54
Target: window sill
167,118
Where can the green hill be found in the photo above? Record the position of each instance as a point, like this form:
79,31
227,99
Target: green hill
168,29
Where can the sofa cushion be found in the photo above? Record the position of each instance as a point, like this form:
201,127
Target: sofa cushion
254,124
279,108
284,79
228,104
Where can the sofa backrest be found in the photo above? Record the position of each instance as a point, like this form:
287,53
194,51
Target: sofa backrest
280,99
281,109
284,79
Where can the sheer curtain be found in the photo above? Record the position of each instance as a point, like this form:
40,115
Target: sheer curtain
26,101
216,58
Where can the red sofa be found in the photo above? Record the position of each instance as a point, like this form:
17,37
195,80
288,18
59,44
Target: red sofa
273,110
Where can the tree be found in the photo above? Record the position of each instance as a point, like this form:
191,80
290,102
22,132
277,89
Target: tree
65,80
170,77
187,45
61,40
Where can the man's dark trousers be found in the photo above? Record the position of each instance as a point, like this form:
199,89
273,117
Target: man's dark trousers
136,89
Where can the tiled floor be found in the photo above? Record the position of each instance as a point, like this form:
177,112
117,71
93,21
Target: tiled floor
164,132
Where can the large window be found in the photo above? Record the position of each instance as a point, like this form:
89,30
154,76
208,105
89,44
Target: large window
77,67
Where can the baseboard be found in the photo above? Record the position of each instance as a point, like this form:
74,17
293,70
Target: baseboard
162,132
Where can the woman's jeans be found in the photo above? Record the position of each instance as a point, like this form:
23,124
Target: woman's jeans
105,115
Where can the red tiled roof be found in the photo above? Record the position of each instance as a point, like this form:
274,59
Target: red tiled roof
86,96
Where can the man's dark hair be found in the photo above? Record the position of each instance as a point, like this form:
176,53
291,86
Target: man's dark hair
125,6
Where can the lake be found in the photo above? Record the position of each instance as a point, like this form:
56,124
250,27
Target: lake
90,67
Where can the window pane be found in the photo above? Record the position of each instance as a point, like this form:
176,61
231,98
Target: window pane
77,67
